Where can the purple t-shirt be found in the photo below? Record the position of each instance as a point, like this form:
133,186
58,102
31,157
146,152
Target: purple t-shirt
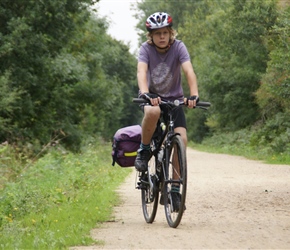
164,70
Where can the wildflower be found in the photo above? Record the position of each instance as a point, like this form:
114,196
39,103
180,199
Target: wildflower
9,218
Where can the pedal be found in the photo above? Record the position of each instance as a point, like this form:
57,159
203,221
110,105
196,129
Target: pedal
141,185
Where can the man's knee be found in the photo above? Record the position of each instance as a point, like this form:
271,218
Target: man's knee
152,112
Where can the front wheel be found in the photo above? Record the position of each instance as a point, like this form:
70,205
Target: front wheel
175,181
149,193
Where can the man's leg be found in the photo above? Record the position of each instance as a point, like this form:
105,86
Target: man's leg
175,189
183,134
150,119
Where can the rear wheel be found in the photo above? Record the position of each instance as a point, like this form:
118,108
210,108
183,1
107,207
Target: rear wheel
150,194
176,181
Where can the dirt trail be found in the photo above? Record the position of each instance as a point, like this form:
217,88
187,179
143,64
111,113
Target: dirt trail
232,203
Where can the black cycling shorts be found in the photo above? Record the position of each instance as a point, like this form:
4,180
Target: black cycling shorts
178,117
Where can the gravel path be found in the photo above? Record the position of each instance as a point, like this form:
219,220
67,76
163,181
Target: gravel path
232,203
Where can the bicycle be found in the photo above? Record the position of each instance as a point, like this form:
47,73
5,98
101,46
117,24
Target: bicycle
167,168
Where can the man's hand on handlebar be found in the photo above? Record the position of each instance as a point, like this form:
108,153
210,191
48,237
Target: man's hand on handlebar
154,99
191,101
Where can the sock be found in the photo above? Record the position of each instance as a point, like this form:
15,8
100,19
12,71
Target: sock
145,147
175,189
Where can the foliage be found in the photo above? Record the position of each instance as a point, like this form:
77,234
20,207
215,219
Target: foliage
230,56
11,163
273,134
274,94
8,97
269,144
33,35
62,76
197,130
58,199
119,64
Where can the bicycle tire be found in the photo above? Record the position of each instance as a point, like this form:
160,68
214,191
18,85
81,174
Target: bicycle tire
176,149
150,197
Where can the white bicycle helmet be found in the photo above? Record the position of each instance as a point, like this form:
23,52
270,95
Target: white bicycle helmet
158,20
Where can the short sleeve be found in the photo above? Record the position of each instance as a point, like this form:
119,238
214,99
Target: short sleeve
143,54
183,53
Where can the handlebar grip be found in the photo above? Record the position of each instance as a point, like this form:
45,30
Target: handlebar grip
203,104
140,100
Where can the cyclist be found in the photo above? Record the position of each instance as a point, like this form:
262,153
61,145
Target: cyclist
160,61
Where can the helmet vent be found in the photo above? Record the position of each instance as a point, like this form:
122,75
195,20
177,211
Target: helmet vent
152,20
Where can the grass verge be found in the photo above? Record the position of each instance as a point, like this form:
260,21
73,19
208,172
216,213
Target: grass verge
55,202
241,143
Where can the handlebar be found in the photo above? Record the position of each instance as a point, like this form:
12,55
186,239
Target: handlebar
200,104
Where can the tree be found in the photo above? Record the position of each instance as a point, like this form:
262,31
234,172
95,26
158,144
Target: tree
33,35
65,76
274,93
229,57
8,97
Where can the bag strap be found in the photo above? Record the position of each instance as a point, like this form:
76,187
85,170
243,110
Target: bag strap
114,158
114,146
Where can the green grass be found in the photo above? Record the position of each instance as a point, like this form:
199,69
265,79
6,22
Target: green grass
55,202
241,143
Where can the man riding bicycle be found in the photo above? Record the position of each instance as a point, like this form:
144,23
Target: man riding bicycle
160,61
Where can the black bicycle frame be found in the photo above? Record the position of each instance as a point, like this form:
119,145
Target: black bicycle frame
168,134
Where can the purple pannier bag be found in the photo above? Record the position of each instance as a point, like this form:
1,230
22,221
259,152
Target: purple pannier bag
126,142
